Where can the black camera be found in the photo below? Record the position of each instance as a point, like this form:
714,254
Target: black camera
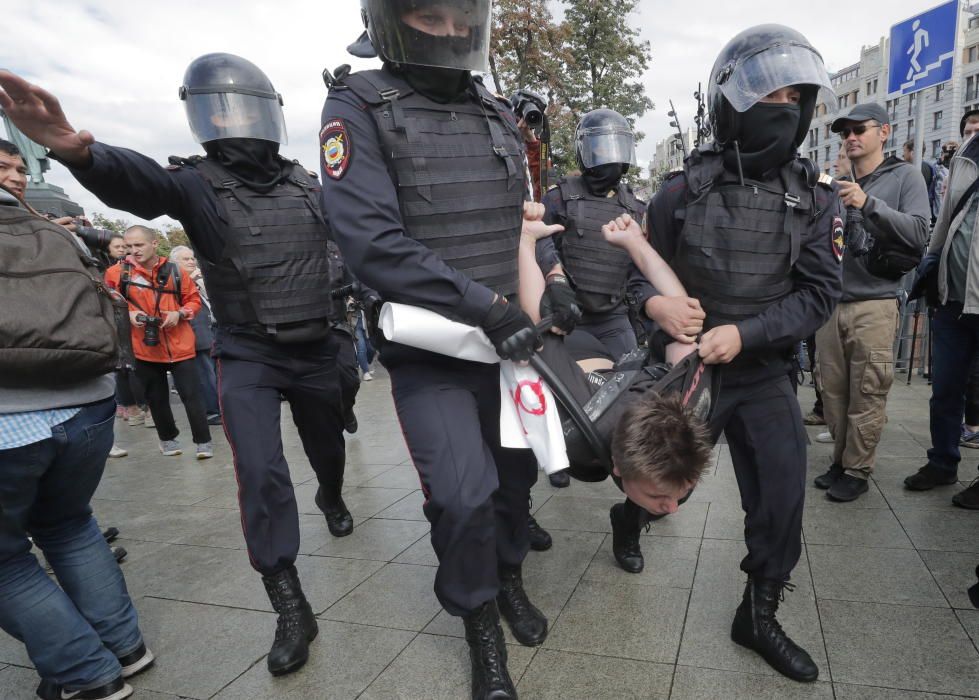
529,106
94,238
151,329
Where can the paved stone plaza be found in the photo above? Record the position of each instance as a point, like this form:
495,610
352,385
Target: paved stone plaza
881,600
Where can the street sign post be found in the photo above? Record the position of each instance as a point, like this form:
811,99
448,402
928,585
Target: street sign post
921,54
922,50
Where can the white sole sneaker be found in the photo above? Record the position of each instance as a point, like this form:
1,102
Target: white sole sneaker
824,437
139,665
117,452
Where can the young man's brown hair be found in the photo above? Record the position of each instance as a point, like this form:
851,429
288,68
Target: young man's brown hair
657,437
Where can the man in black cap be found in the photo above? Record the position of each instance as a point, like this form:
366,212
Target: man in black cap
888,205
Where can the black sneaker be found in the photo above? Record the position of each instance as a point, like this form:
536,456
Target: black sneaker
540,539
138,661
114,690
214,419
828,478
847,488
968,497
928,477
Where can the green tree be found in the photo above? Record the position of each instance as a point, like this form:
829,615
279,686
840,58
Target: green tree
528,48
608,62
101,221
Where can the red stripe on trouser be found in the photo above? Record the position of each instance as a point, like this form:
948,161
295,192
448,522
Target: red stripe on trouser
234,461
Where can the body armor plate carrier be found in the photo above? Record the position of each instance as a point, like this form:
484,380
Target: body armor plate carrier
275,267
596,267
739,241
459,172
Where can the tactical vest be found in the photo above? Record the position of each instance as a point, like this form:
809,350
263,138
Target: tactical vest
595,266
274,270
459,169
739,241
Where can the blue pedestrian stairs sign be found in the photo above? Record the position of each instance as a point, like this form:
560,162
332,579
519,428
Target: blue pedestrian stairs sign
922,50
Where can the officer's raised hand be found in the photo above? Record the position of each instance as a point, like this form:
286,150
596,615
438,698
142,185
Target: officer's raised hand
720,345
37,113
511,331
681,317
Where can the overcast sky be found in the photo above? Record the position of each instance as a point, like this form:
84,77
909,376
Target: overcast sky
116,64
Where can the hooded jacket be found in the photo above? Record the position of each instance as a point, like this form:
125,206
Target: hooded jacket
962,172
897,207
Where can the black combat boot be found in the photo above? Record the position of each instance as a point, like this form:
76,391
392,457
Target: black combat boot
756,628
296,626
338,518
527,623
540,539
625,540
487,652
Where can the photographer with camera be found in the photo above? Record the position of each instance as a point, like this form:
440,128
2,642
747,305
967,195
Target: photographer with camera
162,301
530,107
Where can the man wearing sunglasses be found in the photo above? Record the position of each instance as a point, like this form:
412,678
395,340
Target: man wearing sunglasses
856,358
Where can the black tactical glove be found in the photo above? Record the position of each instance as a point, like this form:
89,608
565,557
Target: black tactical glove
511,331
560,304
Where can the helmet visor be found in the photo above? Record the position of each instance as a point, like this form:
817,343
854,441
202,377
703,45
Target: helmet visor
438,34
229,115
607,144
776,67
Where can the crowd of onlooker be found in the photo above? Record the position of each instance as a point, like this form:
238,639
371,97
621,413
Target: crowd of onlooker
853,354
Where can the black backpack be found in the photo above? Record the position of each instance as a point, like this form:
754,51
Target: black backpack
57,325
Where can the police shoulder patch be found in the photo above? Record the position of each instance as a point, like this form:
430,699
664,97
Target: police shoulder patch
838,239
336,147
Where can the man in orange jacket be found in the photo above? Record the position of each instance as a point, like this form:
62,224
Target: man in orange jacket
162,300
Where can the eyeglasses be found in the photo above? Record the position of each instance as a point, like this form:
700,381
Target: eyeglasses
859,129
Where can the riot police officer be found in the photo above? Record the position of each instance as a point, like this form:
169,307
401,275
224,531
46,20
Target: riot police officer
424,179
254,221
750,228
605,150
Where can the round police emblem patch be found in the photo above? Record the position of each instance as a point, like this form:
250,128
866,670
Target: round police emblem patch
336,147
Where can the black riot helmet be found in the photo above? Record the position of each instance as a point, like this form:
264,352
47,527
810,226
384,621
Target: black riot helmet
434,33
229,97
604,136
757,62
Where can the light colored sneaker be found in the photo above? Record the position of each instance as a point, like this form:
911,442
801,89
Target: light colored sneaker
170,448
135,418
813,418
148,420
368,376
824,437
117,452
205,451
969,438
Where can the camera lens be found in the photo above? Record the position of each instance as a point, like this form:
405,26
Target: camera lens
533,116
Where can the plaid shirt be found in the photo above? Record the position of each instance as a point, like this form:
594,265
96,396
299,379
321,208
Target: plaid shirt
19,429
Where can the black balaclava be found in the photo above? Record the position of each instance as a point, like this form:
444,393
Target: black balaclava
255,162
602,179
443,85
766,136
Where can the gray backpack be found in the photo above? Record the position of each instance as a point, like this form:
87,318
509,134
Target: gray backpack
57,325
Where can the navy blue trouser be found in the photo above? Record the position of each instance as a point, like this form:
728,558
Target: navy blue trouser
347,369
955,342
73,632
477,492
252,375
209,381
763,426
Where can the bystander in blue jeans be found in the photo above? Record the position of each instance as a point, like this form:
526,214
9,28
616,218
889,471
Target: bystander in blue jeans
955,341
365,351
75,633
